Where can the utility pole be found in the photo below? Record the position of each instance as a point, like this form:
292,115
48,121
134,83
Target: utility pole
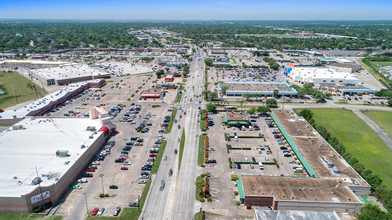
85,199
103,191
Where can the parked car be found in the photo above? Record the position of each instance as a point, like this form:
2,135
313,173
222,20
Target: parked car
126,163
113,187
90,170
94,211
124,168
142,181
101,210
133,204
212,161
116,211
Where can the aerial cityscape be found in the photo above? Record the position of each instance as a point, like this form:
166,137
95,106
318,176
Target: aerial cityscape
196,110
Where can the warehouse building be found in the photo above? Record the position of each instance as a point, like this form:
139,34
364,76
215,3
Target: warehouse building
41,158
321,76
68,73
257,88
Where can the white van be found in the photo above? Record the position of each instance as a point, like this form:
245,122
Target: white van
236,138
83,180
261,166
243,128
250,128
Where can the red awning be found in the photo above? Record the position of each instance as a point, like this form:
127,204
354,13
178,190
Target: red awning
105,130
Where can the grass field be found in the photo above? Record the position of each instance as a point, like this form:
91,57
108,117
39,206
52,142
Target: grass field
28,217
379,64
18,89
383,119
182,144
200,155
157,162
359,139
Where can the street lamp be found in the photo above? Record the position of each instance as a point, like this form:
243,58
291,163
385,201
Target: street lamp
85,199
103,192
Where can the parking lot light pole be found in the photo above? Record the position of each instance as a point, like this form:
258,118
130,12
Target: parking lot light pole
85,199
103,191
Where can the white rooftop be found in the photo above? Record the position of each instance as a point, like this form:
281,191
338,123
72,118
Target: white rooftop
314,73
66,71
45,101
36,146
32,62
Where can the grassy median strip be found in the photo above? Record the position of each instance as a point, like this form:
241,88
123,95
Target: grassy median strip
200,154
182,144
178,98
202,120
157,162
172,118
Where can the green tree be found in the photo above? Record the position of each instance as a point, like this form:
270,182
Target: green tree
390,102
208,61
252,110
263,109
211,107
159,73
271,103
306,113
373,212
224,89
276,92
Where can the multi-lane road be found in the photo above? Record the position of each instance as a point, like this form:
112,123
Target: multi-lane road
177,199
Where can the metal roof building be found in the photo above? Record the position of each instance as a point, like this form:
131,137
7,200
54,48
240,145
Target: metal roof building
259,88
57,148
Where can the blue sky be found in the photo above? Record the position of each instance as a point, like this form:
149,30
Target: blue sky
199,9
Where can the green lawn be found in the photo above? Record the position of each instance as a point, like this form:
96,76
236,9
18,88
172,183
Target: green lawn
359,139
170,125
383,119
182,144
28,217
200,156
129,213
202,122
18,89
157,162
379,64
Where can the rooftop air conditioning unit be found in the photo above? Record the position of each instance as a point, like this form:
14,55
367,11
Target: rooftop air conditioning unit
62,153
36,180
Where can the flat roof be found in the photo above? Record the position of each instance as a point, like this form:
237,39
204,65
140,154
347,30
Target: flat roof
35,145
258,87
32,62
67,71
46,100
151,91
299,189
263,214
236,116
315,149
310,73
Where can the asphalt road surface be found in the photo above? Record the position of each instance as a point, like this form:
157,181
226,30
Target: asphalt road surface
177,199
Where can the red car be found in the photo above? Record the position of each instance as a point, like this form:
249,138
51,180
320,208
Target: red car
184,113
153,155
124,168
90,170
94,212
190,100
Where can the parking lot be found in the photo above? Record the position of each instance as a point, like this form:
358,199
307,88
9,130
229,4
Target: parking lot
121,179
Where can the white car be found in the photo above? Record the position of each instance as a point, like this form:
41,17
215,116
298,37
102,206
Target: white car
100,211
95,163
245,159
127,163
142,181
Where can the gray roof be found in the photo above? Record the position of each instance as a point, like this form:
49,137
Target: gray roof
262,214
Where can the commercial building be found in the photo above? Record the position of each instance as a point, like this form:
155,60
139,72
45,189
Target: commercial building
321,76
263,214
169,78
331,183
152,94
68,73
44,104
41,157
235,118
257,88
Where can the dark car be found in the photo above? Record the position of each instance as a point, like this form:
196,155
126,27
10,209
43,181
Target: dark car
212,161
87,175
116,211
238,166
130,143
133,204
113,187
154,150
